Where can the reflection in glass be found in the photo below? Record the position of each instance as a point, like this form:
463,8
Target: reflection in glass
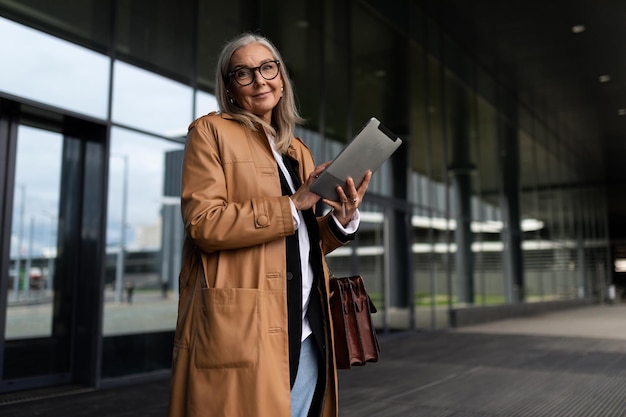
157,34
205,103
43,68
148,101
301,48
216,22
34,233
144,234
377,81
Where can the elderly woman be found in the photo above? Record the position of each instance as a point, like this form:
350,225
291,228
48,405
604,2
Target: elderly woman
253,336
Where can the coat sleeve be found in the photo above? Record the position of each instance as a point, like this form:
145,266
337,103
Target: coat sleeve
212,221
330,236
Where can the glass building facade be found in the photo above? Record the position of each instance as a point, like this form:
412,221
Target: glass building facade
478,214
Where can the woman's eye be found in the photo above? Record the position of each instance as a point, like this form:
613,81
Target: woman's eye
243,73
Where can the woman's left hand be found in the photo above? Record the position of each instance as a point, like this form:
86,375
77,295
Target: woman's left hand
350,197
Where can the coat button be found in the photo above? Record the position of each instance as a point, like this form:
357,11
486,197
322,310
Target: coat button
262,221
289,275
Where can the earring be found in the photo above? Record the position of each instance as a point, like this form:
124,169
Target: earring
231,100
281,91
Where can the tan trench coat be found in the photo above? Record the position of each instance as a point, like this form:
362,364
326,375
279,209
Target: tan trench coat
231,355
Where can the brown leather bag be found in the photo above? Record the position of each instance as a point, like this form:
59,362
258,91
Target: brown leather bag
355,337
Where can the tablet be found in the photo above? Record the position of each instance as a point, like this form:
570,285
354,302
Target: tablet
372,146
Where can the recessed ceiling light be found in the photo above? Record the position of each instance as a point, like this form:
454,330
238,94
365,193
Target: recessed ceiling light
578,28
302,24
604,78
621,112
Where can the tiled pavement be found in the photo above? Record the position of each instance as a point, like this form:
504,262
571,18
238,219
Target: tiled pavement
569,363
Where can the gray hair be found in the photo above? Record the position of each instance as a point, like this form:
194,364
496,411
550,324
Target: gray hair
284,116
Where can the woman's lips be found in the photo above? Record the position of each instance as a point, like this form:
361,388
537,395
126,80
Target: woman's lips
261,95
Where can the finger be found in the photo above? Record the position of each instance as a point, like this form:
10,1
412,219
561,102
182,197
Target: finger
366,179
341,194
332,204
364,183
350,188
351,192
338,207
320,168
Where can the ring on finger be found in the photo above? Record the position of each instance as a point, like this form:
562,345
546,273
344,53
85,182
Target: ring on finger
354,200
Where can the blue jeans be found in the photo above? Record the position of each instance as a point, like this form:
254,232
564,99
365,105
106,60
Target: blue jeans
306,379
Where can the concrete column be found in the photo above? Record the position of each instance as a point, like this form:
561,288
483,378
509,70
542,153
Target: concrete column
510,202
460,171
461,184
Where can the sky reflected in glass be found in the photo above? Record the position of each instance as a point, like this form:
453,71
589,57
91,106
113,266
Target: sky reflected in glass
150,102
145,159
43,68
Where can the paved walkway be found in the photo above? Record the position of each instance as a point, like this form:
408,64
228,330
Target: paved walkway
570,363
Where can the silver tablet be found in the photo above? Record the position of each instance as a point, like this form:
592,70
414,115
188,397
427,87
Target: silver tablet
372,146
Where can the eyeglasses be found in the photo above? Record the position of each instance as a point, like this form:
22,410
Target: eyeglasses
245,76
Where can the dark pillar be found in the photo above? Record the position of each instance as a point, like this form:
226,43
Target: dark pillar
509,172
400,250
462,184
460,170
396,119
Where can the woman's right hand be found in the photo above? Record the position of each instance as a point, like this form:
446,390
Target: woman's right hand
303,198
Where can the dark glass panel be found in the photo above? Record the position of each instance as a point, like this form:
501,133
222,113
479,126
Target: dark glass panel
157,36
336,67
136,353
86,22
380,72
217,22
294,27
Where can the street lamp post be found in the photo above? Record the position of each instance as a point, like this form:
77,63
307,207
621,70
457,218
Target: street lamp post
18,257
119,270
29,259
53,253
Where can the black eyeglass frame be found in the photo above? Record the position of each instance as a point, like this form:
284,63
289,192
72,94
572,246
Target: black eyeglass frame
231,74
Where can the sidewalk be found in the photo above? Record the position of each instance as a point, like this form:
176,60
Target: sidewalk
570,363
599,322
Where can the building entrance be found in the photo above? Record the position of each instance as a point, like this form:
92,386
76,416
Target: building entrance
52,169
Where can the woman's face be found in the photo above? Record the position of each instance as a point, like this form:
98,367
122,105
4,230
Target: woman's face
261,96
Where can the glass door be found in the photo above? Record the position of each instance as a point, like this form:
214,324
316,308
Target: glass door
29,324
34,233
51,179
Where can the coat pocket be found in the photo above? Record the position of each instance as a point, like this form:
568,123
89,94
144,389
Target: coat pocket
227,329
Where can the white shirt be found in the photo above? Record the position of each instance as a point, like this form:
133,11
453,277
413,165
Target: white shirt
304,243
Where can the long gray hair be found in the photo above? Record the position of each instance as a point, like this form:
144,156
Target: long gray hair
284,116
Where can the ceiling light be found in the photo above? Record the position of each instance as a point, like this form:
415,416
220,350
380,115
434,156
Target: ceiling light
621,112
578,28
604,78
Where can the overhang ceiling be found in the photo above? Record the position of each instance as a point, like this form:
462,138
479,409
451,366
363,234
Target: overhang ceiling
532,47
